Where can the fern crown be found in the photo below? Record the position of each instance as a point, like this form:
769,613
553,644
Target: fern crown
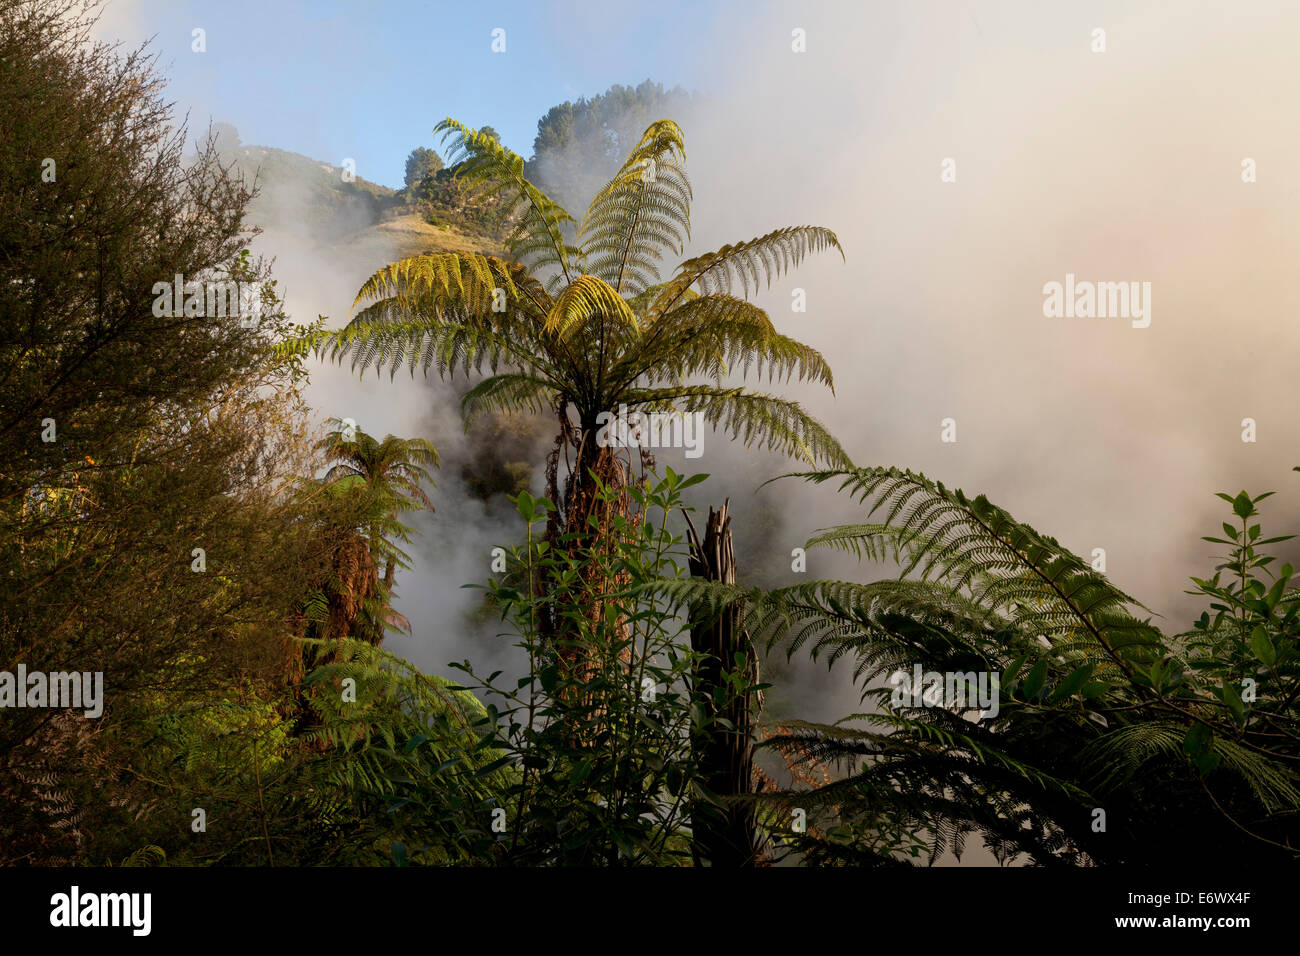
575,317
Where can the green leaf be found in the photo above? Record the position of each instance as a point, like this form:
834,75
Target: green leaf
1262,647
1242,506
1094,689
1071,683
1232,697
492,768
699,714
1197,741
1206,762
549,678
1034,681
1157,674
1010,674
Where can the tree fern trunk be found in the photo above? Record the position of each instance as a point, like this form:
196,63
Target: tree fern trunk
723,836
581,527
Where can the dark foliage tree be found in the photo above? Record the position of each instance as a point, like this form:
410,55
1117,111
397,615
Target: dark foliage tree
580,145
148,458
420,164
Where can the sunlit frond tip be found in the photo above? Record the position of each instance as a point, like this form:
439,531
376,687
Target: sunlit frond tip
643,212
747,263
537,239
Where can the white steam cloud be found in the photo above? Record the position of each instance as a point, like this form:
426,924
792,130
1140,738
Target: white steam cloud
1122,165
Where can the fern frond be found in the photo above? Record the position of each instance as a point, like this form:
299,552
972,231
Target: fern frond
767,420
467,281
886,624
149,855
717,335
537,240
745,263
972,545
584,299
643,211
507,392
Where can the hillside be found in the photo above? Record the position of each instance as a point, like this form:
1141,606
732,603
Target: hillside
310,199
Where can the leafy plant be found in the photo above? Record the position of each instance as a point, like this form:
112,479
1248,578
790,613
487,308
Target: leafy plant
607,774
1184,741
392,473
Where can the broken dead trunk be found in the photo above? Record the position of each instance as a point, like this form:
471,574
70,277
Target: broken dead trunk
723,688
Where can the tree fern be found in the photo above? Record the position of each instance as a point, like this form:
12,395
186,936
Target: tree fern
979,549
1097,707
643,212
580,326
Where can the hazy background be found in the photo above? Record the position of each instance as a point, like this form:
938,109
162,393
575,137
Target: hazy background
1116,166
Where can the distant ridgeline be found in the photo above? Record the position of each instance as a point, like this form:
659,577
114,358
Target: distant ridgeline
326,203
579,145
317,194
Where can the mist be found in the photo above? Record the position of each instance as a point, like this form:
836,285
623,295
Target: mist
1117,166
1123,165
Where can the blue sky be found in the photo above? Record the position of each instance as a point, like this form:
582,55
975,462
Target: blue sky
336,79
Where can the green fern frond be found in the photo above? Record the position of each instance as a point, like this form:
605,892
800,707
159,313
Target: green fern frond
537,240
641,213
466,280
149,855
972,545
746,263
767,420
718,335
506,392
885,624
585,298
